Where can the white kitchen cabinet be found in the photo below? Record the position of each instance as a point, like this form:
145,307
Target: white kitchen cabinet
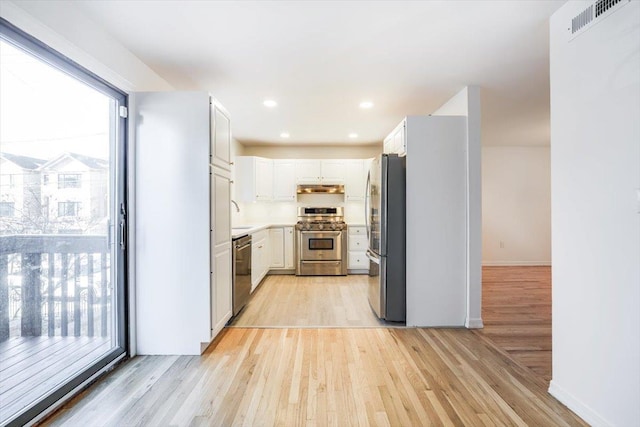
289,235
276,236
281,248
355,180
311,171
260,257
221,255
332,171
357,248
396,141
254,178
308,171
220,150
183,250
284,180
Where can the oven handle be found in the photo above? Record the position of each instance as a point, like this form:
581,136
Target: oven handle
330,232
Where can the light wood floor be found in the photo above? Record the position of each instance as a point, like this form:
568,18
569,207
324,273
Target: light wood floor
297,377
350,376
516,311
316,301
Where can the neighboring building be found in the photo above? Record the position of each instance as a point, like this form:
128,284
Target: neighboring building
20,194
75,193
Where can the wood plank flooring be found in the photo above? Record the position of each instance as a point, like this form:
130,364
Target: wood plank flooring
297,377
516,311
30,367
316,301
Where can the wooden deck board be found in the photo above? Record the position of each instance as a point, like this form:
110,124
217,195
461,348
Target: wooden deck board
31,367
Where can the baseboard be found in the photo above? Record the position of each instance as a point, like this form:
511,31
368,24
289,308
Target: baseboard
579,408
515,263
475,323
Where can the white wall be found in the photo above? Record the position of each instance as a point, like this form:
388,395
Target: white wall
595,177
516,206
467,103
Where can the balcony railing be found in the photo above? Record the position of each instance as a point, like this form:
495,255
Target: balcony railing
55,285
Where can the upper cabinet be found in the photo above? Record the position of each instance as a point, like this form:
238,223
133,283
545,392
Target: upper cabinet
220,137
320,171
355,179
254,176
332,171
284,180
396,142
308,171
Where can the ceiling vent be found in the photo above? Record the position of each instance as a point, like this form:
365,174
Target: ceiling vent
593,14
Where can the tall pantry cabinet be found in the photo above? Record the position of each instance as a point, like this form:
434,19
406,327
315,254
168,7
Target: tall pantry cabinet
183,221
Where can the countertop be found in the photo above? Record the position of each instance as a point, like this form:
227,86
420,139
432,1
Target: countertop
246,229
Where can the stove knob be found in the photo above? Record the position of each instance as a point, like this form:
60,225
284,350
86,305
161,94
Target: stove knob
333,226
320,226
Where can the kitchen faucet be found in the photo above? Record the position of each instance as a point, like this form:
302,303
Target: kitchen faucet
236,205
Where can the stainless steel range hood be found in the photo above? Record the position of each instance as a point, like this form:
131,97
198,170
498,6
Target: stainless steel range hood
320,189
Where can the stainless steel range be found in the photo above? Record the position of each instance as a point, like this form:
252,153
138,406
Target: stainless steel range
321,242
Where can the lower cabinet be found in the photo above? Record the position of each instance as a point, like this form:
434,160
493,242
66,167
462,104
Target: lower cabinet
281,247
357,244
260,257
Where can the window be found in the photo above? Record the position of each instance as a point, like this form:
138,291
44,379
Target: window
68,208
7,209
72,320
69,180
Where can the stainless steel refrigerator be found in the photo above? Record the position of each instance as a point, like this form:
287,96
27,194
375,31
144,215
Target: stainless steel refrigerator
385,220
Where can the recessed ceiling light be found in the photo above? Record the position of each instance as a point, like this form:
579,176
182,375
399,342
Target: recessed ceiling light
353,135
284,135
270,103
366,104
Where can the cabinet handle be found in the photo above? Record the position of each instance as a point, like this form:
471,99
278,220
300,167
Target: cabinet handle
231,182
231,163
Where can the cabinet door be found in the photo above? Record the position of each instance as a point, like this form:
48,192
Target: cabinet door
333,171
256,263
355,180
221,294
308,172
220,287
264,179
284,180
220,206
220,138
388,145
276,247
288,248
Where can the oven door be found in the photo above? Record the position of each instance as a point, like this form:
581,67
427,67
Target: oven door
321,245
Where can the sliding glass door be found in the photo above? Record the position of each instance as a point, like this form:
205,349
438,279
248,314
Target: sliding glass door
62,226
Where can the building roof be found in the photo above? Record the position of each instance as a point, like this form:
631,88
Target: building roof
90,162
24,162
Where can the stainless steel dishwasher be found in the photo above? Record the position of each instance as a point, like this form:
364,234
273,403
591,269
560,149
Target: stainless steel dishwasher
241,272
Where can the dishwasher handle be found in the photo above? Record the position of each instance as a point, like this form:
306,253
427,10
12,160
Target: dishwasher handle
239,248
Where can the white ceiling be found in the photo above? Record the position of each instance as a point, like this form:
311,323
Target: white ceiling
320,59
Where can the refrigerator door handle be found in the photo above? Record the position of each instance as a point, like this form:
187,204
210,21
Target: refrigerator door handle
372,257
367,197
